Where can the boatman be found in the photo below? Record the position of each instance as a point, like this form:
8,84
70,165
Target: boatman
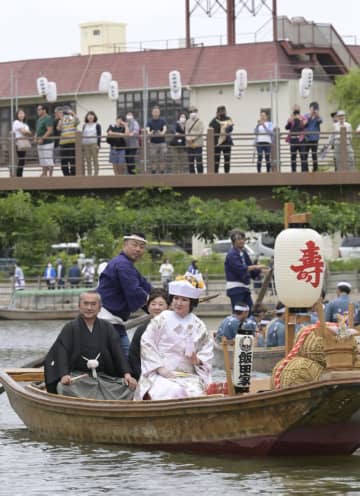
275,333
340,305
122,288
239,270
232,325
86,359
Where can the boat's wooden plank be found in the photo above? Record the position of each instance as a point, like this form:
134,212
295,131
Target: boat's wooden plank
260,384
26,374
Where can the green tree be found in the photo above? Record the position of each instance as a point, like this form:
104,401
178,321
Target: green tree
346,93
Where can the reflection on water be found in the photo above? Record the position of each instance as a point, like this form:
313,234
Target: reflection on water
32,467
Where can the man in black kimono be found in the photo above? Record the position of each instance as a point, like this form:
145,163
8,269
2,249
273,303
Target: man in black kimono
86,358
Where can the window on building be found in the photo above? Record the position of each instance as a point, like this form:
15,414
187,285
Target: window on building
133,101
96,32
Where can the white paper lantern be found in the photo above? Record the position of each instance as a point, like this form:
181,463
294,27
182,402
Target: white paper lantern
42,84
175,85
304,92
51,94
104,82
113,92
307,76
237,91
240,83
299,267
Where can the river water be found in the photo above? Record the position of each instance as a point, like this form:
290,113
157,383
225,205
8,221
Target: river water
32,467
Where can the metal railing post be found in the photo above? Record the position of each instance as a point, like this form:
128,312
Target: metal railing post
79,163
275,150
342,155
210,150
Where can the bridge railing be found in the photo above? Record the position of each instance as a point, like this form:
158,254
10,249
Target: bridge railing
335,152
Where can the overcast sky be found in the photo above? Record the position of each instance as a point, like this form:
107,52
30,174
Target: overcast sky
41,28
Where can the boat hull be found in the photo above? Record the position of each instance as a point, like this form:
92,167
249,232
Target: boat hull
294,421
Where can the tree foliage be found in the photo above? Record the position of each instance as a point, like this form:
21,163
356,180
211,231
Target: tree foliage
346,93
31,223
327,216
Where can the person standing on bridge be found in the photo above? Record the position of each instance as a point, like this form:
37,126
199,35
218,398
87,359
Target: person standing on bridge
263,140
312,136
45,144
296,125
223,127
194,131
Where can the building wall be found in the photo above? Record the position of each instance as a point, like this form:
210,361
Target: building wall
104,108
111,37
245,111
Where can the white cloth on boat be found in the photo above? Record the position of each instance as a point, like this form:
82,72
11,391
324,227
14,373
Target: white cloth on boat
168,342
106,315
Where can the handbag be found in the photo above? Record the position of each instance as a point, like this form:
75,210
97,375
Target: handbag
23,144
192,144
177,141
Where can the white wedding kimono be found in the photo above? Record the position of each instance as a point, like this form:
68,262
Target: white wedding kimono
169,341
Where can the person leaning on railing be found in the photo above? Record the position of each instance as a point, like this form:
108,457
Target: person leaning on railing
296,125
177,144
312,135
194,130
44,140
132,142
223,127
263,139
91,142
67,126
156,128
338,126
116,134
22,134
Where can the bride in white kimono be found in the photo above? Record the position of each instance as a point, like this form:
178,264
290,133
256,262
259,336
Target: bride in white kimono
176,350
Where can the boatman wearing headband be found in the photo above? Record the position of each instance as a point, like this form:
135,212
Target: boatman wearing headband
239,270
275,334
122,288
340,305
233,324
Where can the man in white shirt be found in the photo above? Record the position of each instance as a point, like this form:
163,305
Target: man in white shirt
342,124
167,271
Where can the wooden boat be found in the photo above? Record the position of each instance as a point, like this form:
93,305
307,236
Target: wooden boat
264,358
312,419
43,304
23,314
62,304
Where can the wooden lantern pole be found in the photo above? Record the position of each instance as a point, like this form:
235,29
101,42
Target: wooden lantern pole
291,219
351,315
229,380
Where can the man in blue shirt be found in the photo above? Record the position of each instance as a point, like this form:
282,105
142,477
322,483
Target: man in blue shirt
336,308
313,121
230,326
239,270
122,288
275,334
156,128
